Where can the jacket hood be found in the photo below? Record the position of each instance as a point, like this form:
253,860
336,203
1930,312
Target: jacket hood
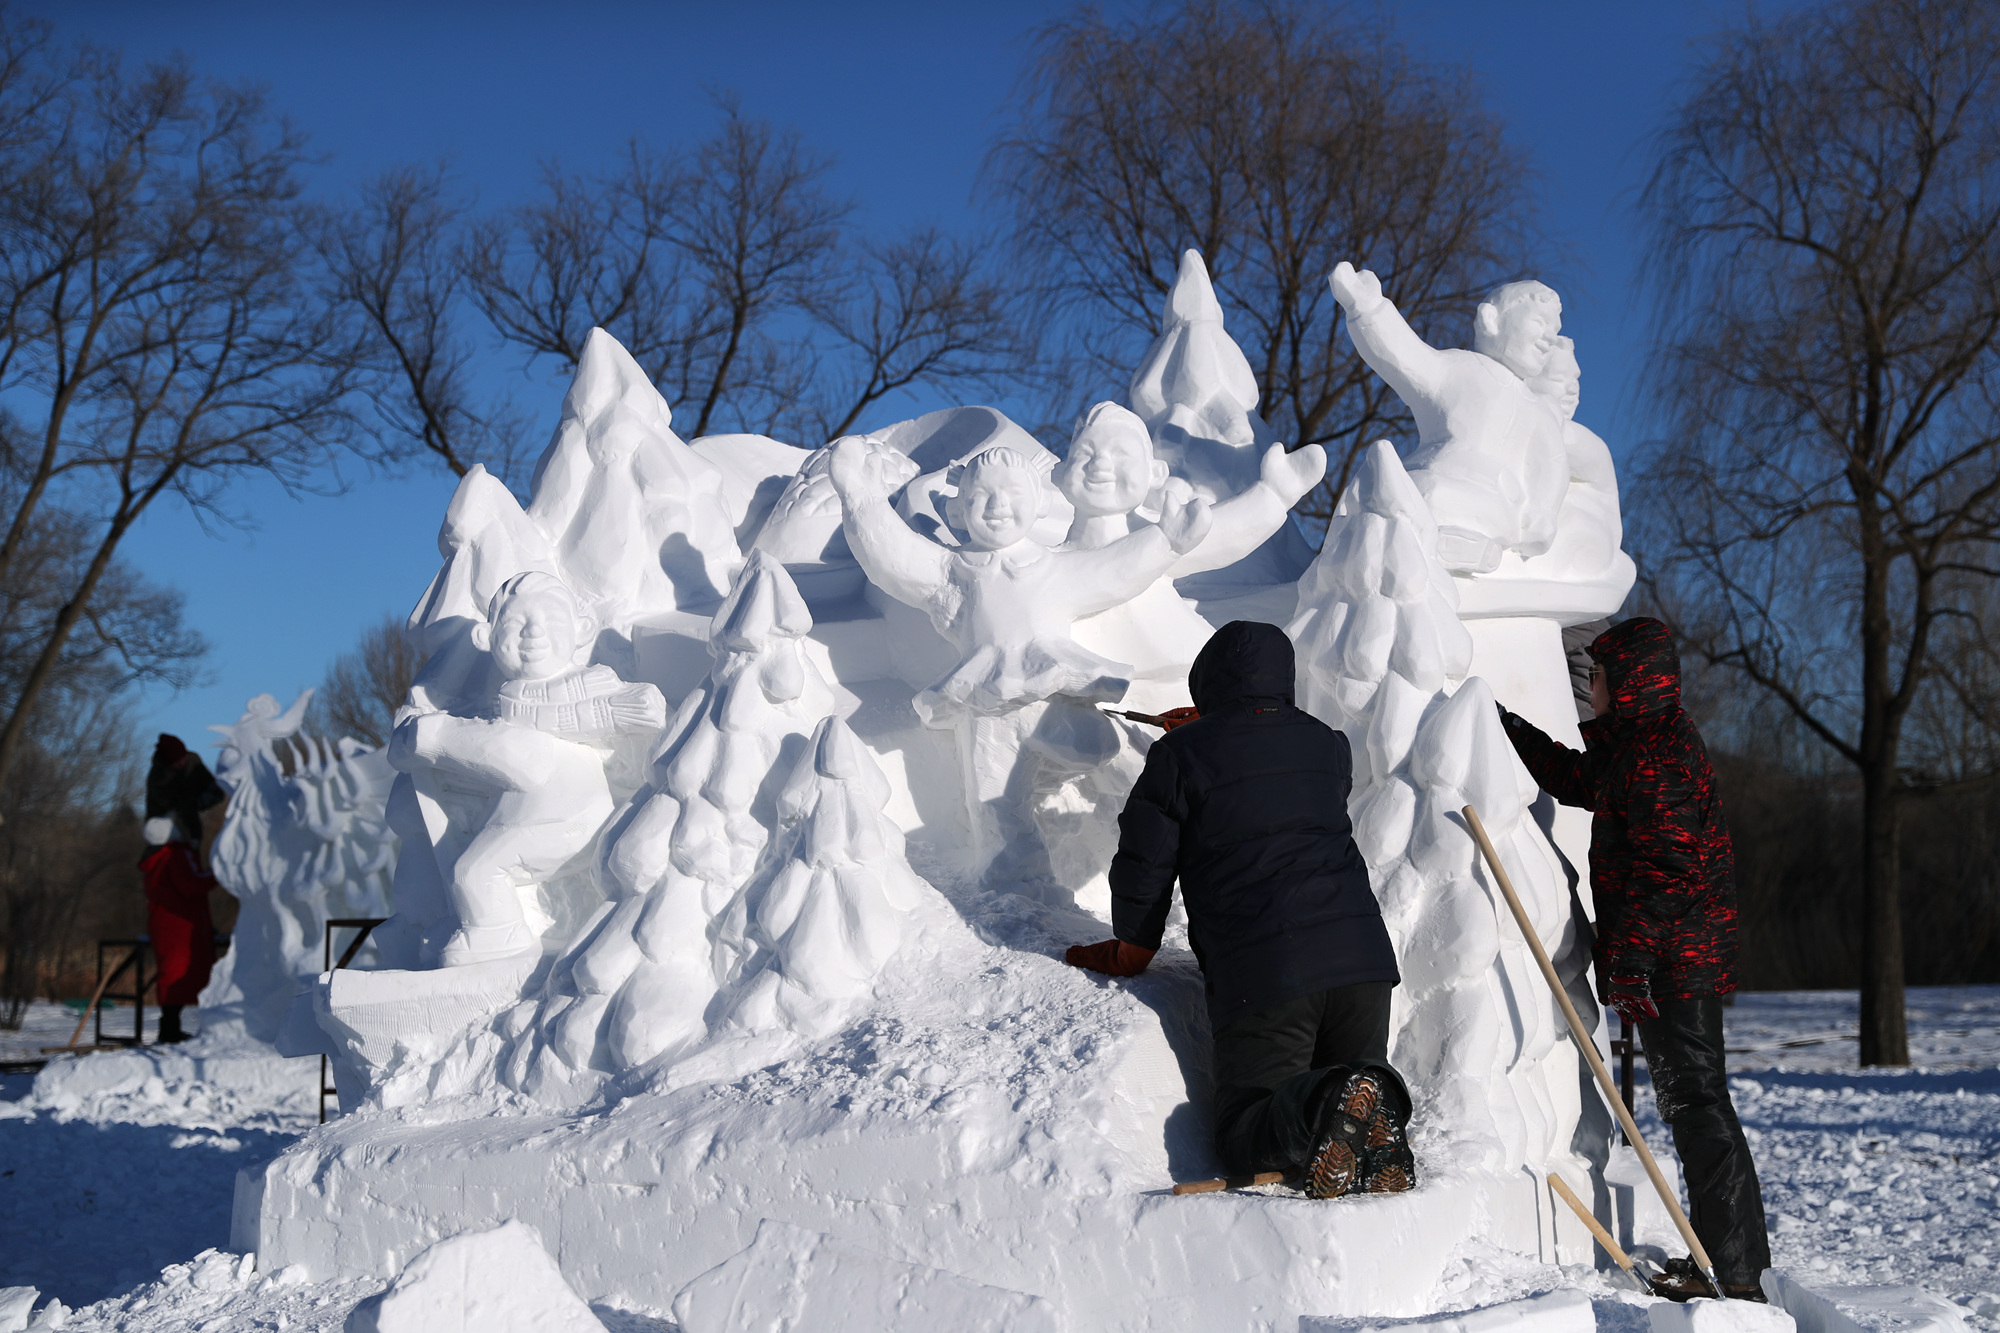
1245,659
1641,666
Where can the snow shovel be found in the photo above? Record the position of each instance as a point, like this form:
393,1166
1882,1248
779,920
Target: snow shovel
1589,1049
1611,1247
1229,1183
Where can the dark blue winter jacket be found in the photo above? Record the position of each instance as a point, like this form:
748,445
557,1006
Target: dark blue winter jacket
1248,808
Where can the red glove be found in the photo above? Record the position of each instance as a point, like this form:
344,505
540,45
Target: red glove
1113,958
1632,997
1177,717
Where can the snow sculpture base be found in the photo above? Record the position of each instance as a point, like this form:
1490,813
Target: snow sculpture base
380,1022
1016,1133
649,1199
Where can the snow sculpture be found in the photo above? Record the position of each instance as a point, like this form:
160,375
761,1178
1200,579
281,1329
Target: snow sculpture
295,850
637,983
1525,498
1384,657
1196,393
637,518
1007,604
1490,458
542,758
804,530
826,908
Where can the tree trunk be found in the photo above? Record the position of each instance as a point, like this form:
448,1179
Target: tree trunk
1885,1038
66,620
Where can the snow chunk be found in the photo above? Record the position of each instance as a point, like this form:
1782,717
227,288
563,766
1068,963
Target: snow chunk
498,1281
15,1302
1869,1309
1712,1316
791,1278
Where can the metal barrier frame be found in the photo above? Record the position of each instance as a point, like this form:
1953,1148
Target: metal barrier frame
140,948
365,925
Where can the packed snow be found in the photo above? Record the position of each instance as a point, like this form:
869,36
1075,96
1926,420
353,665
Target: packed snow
121,1211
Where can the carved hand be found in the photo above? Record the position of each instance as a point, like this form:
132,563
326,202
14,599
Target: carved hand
852,469
1184,523
1359,292
1291,475
639,707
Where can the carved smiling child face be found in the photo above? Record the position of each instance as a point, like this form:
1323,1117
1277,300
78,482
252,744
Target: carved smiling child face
1561,380
1000,495
534,628
1110,468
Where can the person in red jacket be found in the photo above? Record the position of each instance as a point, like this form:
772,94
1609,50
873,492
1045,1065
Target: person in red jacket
1662,872
178,922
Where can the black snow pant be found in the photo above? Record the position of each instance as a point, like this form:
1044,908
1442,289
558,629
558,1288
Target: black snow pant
1683,1049
1275,1068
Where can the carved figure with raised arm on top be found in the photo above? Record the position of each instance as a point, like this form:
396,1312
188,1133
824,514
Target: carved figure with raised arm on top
1490,458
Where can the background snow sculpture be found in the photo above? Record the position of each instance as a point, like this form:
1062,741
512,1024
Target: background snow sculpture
1382,656
637,983
295,849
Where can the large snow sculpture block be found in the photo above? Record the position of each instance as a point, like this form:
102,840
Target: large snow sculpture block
498,1281
792,1278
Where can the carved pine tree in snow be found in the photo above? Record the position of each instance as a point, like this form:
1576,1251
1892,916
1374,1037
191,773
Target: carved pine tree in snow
829,904
638,982
1382,656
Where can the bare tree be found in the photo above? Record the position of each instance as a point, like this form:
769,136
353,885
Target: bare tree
158,338
392,258
736,280
918,310
1821,514
1276,138
690,263
364,688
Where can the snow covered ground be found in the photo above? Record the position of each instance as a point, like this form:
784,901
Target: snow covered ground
1869,1177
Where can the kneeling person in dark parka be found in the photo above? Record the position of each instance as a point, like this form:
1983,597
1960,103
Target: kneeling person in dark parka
1247,807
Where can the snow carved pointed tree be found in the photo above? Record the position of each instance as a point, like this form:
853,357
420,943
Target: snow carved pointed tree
828,906
1383,657
638,982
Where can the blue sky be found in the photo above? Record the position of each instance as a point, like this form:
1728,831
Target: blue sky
905,97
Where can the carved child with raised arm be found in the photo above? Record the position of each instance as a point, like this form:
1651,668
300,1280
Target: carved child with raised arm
1490,456
543,750
1007,603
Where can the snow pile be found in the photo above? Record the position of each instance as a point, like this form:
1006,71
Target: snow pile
1383,657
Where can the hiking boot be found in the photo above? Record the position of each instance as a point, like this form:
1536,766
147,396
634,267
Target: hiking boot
1680,1280
1387,1164
1336,1163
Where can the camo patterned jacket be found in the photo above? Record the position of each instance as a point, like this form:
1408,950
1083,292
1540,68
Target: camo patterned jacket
1662,870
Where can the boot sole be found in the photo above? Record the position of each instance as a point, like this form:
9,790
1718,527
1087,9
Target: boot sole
1337,1166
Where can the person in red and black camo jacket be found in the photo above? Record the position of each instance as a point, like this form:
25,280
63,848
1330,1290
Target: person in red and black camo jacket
1662,872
